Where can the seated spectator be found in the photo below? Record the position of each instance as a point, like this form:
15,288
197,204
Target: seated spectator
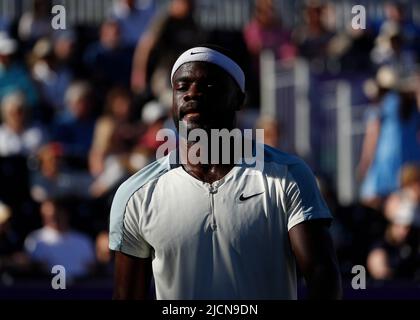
134,17
265,31
114,138
396,17
53,179
12,258
407,198
349,47
74,130
17,137
57,244
66,47
4,24
154,117
8,240
13,74
374,89
52,78
396,256
109,60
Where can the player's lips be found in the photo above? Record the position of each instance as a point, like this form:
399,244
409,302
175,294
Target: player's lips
191,115
191,111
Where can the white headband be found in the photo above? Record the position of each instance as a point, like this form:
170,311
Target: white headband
204,54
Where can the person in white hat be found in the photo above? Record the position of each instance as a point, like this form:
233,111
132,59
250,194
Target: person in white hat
13,75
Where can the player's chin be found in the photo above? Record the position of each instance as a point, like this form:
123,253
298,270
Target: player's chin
195,123
193,117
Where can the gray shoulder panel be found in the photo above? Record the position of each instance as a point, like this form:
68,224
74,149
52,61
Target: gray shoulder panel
126,191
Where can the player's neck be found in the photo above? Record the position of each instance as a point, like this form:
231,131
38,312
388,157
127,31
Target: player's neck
208,172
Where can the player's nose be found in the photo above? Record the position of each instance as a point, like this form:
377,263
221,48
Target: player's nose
194,92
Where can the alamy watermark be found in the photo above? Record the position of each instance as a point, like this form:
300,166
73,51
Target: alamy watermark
358,282
359,19
58,22
219,146
58,282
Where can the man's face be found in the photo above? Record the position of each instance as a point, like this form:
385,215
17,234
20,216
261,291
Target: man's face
110,34
204,96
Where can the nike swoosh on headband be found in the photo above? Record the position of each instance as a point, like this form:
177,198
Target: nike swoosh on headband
204,54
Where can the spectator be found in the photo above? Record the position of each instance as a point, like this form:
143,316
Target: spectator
12,258
393,141
36,23
313,37
396,19
396,256
349,48
391,51
4,24
114,138
8,240
13,75
374,90
74,130
134,17
161,88
67,52
154,115
407,199
52,78
109,60
173,32
57,244
64,43
265,31
53,179
17,137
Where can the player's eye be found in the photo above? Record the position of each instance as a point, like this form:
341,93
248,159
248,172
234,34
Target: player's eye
181,86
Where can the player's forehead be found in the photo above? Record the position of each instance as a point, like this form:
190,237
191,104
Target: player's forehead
197,70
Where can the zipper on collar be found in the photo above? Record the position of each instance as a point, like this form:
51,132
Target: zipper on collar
213,190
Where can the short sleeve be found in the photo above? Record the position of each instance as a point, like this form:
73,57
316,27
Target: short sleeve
124,230
304,201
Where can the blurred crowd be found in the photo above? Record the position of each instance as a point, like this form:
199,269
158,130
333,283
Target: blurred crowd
80,109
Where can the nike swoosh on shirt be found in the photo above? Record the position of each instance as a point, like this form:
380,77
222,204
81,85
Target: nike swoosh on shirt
242,198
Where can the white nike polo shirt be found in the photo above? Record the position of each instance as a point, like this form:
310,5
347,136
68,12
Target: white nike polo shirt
225,240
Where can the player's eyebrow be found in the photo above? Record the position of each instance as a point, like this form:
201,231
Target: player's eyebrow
182,79
189,79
